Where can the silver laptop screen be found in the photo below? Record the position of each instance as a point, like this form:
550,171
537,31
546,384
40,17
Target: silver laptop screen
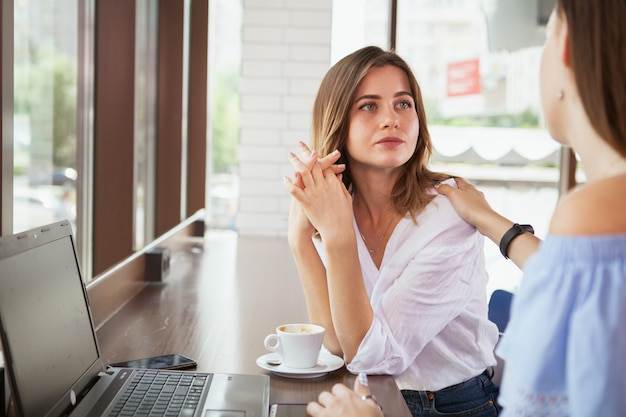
50,343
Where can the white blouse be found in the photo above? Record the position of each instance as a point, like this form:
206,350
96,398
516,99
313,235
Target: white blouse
430,327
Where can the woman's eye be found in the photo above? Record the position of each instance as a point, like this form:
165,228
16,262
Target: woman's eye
368,106
405,105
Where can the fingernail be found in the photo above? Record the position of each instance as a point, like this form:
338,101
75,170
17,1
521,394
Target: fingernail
335,152
292,155
363,379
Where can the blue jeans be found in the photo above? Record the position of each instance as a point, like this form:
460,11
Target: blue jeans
475,397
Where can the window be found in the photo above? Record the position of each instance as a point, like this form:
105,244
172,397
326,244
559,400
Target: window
358,23
45,96
145,116
224,63
480,81
70,153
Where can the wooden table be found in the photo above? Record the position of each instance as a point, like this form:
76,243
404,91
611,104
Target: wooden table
224,294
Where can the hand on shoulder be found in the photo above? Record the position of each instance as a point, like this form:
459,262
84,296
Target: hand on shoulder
470,203
592,209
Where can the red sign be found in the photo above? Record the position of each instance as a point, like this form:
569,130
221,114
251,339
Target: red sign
463,78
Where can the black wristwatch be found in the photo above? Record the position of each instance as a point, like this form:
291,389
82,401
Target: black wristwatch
512,233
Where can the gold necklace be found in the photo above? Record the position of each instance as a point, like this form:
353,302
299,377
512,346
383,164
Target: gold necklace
371,251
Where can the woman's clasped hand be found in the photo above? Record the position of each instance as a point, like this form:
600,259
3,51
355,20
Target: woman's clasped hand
343,401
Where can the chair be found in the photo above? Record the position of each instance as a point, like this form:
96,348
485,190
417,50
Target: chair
500,308
498,312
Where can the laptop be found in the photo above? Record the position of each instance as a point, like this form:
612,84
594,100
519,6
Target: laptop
51,351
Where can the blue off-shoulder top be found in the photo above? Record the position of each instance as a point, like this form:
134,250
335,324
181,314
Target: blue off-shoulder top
565,345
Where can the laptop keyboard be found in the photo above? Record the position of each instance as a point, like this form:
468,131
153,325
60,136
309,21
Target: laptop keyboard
161,393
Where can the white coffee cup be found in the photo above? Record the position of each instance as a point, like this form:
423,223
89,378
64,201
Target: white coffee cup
298,344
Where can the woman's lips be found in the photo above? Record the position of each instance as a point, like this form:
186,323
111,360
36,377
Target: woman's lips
390,141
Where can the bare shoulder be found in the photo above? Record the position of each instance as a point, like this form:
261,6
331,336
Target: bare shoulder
595,208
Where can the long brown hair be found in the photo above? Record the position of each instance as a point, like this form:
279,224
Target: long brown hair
331,120
597,43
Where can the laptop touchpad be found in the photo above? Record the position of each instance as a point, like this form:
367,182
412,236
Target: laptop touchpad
224,413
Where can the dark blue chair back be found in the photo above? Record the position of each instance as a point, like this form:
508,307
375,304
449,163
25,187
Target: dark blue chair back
500,308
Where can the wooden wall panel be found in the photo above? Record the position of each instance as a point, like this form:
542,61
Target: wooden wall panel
169,115
114,133
3,191
197,113
6,122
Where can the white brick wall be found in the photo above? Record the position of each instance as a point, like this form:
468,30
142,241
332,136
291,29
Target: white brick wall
285,54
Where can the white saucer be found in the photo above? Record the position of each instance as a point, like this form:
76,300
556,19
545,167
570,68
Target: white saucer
325,364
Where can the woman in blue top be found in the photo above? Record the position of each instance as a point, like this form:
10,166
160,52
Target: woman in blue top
566,342
565,345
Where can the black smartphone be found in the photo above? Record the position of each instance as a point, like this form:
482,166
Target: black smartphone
173,361
288,410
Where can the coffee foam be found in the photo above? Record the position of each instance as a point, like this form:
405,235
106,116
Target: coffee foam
298,328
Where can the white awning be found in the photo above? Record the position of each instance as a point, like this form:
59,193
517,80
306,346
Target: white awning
493,145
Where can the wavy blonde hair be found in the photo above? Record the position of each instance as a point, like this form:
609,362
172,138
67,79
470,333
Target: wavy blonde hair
331,121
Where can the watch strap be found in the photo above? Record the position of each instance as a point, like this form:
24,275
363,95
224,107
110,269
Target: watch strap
512,233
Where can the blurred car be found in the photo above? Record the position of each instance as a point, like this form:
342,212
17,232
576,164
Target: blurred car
63,176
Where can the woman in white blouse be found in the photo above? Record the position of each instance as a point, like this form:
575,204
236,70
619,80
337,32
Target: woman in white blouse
391,271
